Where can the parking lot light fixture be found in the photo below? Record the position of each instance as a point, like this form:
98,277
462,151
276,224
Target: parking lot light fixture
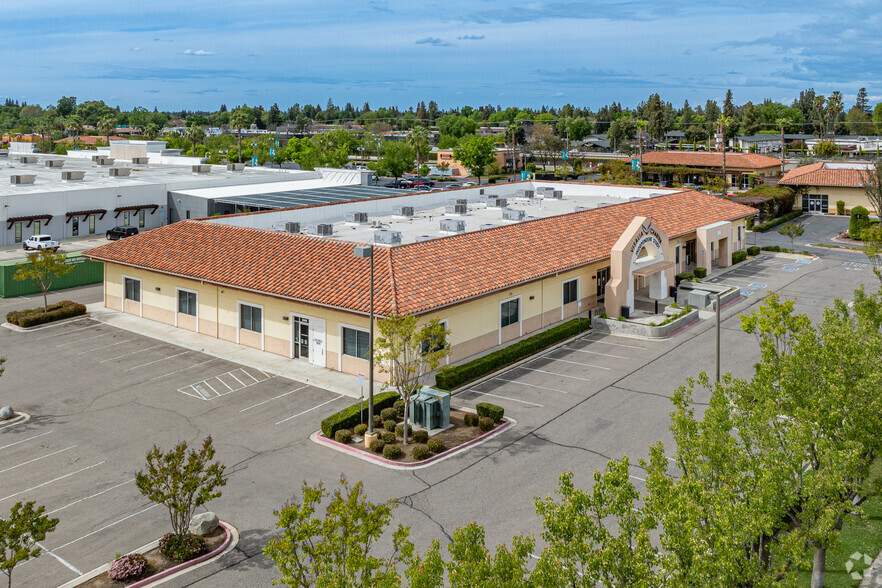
368,252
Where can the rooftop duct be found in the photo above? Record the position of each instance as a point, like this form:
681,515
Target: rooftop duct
119,172
54,163
69,176
388,237
452,225
22,179
356,217
321,229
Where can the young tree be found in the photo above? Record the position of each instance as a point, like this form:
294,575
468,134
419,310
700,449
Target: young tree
792,231
19,534
476,153
43,268
873,186
408,351
239,119
182,481
396,160
336,549
872,238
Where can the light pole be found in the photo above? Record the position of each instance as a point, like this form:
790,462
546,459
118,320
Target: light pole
368,251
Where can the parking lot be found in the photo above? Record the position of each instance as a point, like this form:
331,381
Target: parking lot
101,397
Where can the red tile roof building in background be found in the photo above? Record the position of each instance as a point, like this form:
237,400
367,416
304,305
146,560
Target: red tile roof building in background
827,174
711,159
410,278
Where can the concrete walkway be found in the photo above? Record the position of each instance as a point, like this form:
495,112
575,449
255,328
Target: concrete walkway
298,370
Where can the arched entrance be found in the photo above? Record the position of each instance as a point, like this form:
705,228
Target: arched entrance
637,263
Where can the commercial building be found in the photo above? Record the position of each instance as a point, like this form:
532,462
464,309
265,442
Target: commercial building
494,264
690,166
820,185
505,159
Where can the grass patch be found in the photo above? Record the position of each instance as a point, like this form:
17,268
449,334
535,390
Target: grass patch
828,246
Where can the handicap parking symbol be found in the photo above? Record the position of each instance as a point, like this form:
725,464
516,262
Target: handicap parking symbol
790,269
746,292
803,261
756,286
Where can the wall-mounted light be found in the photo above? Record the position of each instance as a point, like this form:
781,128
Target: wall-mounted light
284,318
532,297
157,288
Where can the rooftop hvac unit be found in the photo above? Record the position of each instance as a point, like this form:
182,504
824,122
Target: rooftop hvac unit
497,202
388,237
95,158
456,209
140,160
201,169
514,214
356,217
526,193
292,227
236,167
402,210
452,225
104,160
54,163
27,159
116,172
556,194
543,190
322,229
70,176
457,201
481,191
22,179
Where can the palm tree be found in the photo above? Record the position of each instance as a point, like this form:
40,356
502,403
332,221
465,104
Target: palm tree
724,122
419,137
238,121
195,133
151,131
74,123
834,107
641,127
818,108
105,126
41,126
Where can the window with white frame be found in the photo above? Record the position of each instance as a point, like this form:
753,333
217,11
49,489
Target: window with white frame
570,291
436,343
250,317
132,289
187,302
509,312
356,343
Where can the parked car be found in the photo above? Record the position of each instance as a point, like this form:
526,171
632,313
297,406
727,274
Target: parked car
468,184
451,186
39,242
400,184
423,188
121,233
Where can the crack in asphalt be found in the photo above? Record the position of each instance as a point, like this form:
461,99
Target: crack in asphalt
408,502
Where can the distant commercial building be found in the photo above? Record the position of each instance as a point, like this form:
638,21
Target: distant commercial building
821,185
507,159
686,166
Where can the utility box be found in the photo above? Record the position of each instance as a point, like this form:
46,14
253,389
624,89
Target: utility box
699,298
431,409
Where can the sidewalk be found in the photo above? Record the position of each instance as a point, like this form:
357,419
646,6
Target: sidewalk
301,371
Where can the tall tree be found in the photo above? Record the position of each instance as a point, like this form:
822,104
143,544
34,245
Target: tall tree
239,119
419,140
476,153
195,134
729,106
834,107
397,158
66,106
862,102
106,126
655,121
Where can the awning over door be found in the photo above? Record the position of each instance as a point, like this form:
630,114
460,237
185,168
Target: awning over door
653,268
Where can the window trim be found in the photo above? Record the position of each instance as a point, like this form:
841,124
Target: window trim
140,300
342,347
178,305
92,224
142,218
239,304
17,235
578,299
520,321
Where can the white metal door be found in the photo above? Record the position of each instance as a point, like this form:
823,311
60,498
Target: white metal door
317,341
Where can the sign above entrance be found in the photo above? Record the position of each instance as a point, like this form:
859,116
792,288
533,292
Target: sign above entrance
647,234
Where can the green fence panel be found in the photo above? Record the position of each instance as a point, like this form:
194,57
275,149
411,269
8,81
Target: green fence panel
85,272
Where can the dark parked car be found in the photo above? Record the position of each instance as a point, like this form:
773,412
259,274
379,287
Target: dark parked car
121,233
402,184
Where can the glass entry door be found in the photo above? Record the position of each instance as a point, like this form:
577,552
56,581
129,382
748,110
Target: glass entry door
602,279
301,338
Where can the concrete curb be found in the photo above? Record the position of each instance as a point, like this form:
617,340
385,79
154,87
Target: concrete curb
228,545
21,417
367,456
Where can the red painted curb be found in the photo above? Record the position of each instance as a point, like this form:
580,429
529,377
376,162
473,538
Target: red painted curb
185,565
374,457
683,328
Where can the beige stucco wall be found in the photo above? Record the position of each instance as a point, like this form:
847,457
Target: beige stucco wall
851,196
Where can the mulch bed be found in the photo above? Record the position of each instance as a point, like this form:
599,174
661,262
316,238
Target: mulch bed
156,563
453,437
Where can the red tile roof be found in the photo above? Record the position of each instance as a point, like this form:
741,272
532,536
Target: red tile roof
410,278
817,175
710,159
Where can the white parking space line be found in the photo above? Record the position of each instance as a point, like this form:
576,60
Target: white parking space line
95,532
189,367
128,354
555,373
57,335
37,459
156,361
205,391
63,561
28,439
81,340
237,379
605,342
105,346
273,398
636,478
89,497
308,410
596,353
504,398
600,367
52,481
532,385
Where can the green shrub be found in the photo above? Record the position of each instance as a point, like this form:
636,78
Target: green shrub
471,419
840,207
860,219
377,445
435,445
753,250
777,221
739,256
389,425
38,316
700,272
389,414
486,424
450,377
349,417
748,222
399,429
420,452
392,452
343,435
485,409
420,436
181,548
360,429
388,437
399,408
684,277
378,422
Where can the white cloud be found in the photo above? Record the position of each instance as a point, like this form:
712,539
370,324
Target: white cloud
198,52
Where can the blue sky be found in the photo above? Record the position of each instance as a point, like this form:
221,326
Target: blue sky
199,54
